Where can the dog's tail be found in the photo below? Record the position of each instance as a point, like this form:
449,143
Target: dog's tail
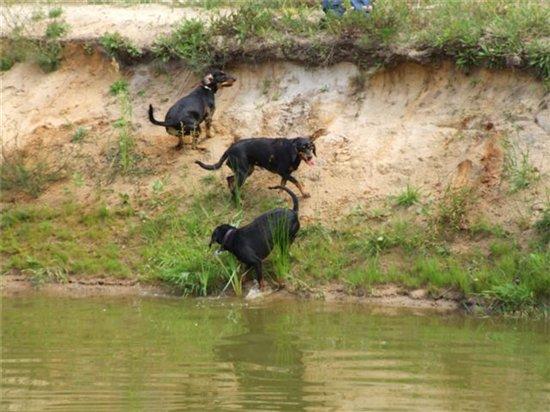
215,166
295,205
154,121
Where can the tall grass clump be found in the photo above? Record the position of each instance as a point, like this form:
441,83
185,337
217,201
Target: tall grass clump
191,41
408,197
177,249
125,157
49,49
518,168
19,45
542,226
119,46
280,257
453,208
20,175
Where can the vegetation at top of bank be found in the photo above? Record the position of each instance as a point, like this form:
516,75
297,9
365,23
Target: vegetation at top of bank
495,33
46,51
492,33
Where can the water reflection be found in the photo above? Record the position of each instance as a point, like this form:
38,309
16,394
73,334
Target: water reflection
144,354
267,362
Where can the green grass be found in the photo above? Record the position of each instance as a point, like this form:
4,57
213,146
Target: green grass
119,46
453,208
47,51
518,168
542,226
119,87
124,157
55,12
79,134
16,174
56,29
166,239
491,33
408,197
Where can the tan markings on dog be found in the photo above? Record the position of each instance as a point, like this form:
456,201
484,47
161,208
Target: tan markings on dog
301,189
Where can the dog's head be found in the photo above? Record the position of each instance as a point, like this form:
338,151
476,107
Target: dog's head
219,234
218,78
306,146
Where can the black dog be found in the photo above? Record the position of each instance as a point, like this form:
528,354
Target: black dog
252,243
281,156
184,118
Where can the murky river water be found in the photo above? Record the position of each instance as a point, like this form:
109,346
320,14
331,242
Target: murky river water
160,354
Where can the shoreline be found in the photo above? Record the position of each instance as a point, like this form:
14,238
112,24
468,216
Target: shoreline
389,295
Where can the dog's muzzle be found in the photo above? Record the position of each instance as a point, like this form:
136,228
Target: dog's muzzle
308,159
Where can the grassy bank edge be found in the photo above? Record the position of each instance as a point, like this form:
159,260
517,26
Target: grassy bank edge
165,239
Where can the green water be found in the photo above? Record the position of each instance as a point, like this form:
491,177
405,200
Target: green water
61,354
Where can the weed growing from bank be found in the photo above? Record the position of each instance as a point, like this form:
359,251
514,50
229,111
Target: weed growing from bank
119,87
119,46
280,256
79,135
408,197
17,174
518,168
47,51
55,12
126,157
542,226
453,208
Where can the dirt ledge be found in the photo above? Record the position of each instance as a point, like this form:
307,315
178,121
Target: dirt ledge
392,296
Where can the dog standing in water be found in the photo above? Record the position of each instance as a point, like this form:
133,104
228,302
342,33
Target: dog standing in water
184,117
252,243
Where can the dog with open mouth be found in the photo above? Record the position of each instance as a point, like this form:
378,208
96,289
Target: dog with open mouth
185,117
278,155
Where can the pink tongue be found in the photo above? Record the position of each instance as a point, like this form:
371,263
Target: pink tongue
310,162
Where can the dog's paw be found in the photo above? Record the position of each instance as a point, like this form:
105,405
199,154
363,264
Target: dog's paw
254,293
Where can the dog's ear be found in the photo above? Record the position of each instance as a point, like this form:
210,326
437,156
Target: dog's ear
208,79
314,150
317,134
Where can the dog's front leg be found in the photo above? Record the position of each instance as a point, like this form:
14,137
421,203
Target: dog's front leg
195,136
299,186
259,276
179,146
208,122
